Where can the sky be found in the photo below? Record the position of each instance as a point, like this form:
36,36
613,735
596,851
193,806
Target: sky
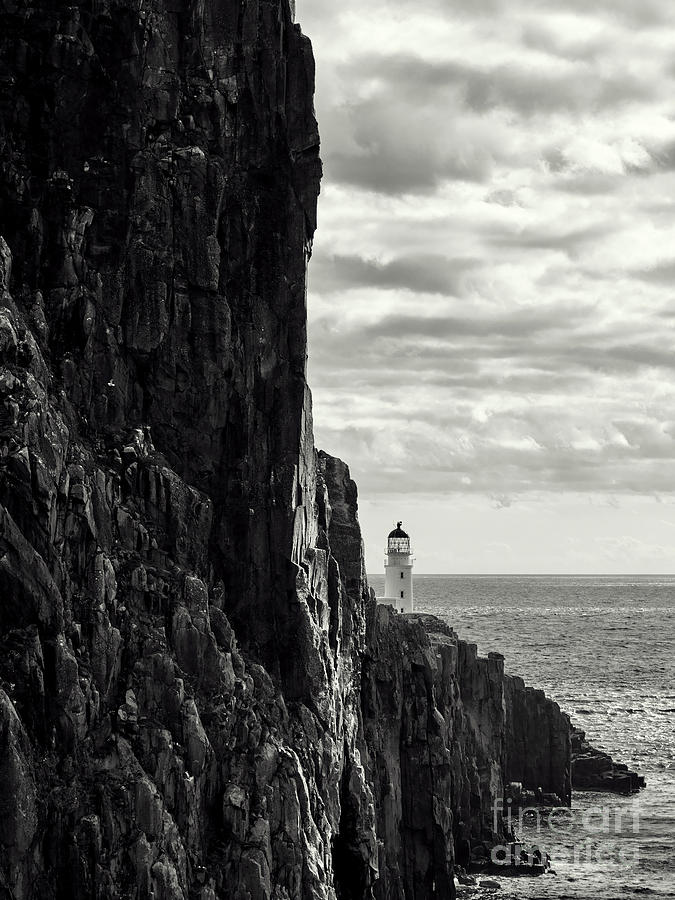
491,301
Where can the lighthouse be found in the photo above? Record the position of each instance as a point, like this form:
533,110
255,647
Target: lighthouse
398,565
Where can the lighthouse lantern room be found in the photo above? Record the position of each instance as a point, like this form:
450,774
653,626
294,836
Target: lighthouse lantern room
398,565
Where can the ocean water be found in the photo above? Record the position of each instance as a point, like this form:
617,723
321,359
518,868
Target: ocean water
604,649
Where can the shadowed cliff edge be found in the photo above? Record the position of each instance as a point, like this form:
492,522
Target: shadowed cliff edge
198,696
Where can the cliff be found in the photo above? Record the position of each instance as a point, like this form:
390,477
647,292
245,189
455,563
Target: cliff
198,698
446,731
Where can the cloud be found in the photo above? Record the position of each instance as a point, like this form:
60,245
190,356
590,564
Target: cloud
636,13
503,197
529,323
421,273
566,240
490,293
662,273
529,88
501,406
585,182
408,124
396,147
573,43
632,13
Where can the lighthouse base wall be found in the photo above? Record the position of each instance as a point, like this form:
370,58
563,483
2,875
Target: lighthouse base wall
401,605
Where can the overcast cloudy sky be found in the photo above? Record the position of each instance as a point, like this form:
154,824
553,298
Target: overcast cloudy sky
492,315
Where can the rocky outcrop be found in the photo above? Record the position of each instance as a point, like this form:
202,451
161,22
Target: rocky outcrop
593,770
198,698
445,731
538,751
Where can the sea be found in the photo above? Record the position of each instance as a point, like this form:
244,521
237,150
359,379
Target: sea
603,647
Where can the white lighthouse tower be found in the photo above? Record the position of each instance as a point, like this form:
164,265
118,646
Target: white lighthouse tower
398,586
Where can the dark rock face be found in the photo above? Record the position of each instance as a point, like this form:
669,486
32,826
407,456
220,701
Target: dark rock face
538,741
159,175
198,699
593,770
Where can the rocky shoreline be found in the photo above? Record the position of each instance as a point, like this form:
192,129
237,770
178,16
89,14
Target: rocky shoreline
593,770
199,697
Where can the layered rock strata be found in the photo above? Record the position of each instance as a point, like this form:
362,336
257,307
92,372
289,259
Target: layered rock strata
198,698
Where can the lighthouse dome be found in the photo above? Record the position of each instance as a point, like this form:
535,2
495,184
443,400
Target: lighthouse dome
398,541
